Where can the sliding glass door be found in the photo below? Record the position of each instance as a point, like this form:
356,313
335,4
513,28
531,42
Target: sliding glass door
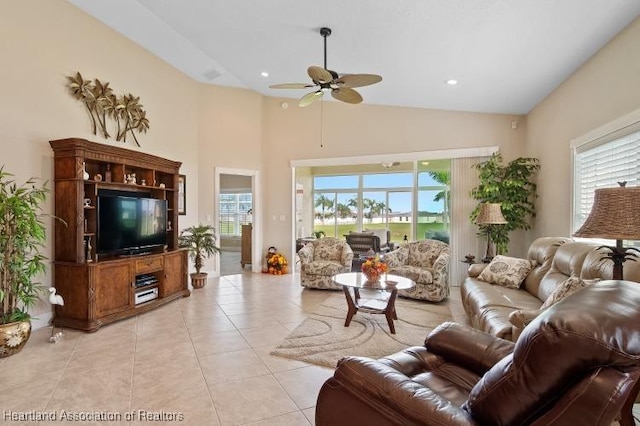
363,201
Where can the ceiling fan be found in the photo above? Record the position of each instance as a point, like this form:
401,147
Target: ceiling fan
341,86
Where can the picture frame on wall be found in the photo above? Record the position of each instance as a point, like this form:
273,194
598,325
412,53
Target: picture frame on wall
182,194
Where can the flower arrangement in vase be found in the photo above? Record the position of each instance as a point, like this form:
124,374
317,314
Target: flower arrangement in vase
373,267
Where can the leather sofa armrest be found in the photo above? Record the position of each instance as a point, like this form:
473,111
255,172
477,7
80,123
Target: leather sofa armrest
475,269
381,385
520,318
475,350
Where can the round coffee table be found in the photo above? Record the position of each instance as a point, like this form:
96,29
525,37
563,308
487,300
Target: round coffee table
387,283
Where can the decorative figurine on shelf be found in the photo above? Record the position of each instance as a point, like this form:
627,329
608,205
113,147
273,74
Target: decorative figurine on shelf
98,177
143,182
87,249
161,186
130,179
107,174
85,173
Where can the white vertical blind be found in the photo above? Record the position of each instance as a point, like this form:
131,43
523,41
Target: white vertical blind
602,164
463,233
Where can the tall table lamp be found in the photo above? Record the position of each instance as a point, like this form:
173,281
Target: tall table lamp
490,214
615,215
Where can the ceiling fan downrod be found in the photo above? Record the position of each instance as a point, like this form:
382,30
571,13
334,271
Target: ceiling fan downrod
325,32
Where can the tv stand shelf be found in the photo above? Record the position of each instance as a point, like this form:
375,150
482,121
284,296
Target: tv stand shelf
100,288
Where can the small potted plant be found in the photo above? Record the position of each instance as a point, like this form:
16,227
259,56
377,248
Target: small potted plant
201,242
22,235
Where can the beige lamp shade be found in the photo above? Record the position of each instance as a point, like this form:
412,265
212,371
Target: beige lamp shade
615,215
490,214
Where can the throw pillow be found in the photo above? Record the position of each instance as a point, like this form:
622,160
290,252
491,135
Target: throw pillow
506,271
566,289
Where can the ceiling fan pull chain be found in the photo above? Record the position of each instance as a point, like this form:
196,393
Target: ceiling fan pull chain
321,123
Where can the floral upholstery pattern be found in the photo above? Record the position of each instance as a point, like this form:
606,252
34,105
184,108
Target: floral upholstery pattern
427,263
566,289
506,271
321,259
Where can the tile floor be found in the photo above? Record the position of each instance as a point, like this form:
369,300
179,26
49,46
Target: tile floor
230,263
205,357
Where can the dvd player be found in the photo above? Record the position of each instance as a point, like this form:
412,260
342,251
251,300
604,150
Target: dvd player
146,295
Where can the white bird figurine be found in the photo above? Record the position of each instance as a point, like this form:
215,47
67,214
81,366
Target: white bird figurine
55,299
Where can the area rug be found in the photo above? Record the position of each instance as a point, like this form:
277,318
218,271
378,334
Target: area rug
323,339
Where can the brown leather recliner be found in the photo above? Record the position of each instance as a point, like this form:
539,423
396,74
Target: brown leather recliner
577,363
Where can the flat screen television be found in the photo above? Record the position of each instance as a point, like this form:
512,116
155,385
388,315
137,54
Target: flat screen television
130,225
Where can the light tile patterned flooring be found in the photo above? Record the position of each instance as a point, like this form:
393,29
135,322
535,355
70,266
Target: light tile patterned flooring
205,357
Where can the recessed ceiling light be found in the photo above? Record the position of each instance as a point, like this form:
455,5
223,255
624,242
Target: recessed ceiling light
264,74
452,82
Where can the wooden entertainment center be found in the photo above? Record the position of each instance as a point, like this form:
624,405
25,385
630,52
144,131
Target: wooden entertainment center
101,288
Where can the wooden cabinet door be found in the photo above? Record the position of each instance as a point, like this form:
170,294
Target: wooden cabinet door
114,290
175,273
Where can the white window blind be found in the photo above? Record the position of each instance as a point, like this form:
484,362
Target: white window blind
602,164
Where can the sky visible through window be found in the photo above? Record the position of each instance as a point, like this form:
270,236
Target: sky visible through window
400,201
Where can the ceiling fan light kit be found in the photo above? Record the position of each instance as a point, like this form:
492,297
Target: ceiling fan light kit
326,80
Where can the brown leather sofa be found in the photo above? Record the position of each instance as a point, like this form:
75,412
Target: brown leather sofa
490,306
577,363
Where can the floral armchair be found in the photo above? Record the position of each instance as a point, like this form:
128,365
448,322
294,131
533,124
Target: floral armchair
321,259
427,263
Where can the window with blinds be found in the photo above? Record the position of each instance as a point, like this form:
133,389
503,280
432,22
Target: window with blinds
603,163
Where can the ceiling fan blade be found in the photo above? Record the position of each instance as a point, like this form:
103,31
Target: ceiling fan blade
346,94
319,74
291,86
359,80
309,98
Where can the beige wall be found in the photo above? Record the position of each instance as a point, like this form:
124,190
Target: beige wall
41,42
347,130
230,134
604,88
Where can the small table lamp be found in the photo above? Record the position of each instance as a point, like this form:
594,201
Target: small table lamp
615,215
490,214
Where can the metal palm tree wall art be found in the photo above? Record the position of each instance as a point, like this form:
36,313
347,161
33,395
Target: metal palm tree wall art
103,105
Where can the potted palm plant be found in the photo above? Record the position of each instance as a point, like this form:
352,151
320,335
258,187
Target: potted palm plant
201,242
22,235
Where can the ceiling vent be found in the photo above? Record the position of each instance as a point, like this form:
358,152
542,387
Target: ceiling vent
211,74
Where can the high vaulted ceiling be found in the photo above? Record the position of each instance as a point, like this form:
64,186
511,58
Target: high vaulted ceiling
507,55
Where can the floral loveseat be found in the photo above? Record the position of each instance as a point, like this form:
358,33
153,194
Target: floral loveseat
427,263
323,258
